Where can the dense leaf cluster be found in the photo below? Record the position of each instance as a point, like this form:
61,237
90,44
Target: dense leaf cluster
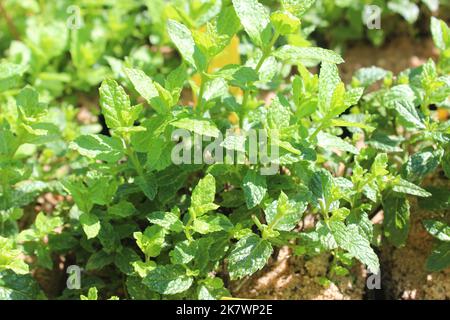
143,227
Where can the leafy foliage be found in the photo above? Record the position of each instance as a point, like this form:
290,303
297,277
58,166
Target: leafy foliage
143,226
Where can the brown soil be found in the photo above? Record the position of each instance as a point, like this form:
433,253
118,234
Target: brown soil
396,56
295,278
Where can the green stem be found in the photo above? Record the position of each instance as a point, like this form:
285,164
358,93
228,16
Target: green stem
187,232
201,92
136,164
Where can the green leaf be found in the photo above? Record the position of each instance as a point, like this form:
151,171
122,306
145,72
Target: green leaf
396,219
143,268
437,229
203,195
92,294
255,188
147,89
116,106
170,279
18,287
201,127
297,7
184,252
249,255
368,76
99,147
237,75
122,209
46,225
167,220
278,116
212,223
124,260
321,185
10,74
404,186
98,260
90,224
350,239
254,18
151,241
361,219
10,258
439,258
328,81
175,81
441,33
329,142
285,22
181,36
212,289
298,55
27,102
138,291
284,214
148,185
422,163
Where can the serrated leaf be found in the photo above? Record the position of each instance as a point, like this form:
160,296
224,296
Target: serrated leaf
167,220
170,279
122,209
151,241
201,127
145,86
212,223
212,289
404,186
203,195
99,260
249,255
300,54
328,81
370,75
350,239
100,147
284,214
330,142
254,18
441,33
116,106
18,287
321,185
255,188
297,7
422,163
184,252
181,36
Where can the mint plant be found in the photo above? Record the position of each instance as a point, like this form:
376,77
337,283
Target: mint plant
202,170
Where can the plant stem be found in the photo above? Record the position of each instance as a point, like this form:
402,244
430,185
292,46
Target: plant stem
11,26
201,92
